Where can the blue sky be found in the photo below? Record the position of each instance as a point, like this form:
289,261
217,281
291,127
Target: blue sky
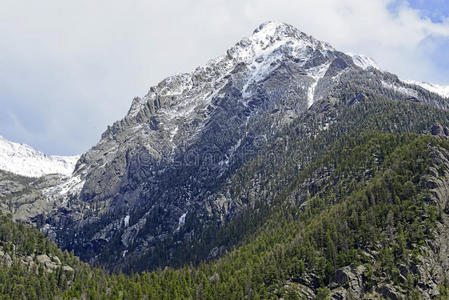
70,68
436,10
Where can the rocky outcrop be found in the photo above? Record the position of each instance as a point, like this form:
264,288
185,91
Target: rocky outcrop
47,262
439,130
5,259
25,198
348,282
33,262
434,267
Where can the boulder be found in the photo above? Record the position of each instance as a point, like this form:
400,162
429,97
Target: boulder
388,291
47,262
5,259
56,260
68,269
350,279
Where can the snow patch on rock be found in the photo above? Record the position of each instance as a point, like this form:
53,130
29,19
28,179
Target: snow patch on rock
181,221
400,89
69,186
316,73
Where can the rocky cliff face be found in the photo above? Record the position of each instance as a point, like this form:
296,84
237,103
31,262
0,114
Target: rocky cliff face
170,161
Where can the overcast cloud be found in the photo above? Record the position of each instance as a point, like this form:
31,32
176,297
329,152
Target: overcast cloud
70,68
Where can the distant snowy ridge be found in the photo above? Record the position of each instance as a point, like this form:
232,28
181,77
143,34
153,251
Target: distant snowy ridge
365,62
441,90
23,160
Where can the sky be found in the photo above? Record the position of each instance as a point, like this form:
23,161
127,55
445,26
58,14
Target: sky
70,68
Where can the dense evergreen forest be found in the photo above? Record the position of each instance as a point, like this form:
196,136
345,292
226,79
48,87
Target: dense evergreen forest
374,212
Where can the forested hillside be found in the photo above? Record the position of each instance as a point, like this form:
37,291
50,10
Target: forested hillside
370,229
282,169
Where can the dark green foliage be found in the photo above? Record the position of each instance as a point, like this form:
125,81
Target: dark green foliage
353,212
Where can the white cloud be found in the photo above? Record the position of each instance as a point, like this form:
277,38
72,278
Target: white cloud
69,68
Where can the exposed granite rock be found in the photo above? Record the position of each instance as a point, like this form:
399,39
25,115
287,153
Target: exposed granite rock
68,269
439,130
388,291
32,262
352,281
5,259
47,262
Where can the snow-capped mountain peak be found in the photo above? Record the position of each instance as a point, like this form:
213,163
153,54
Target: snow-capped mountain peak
23,160
271,36
181,105
183,97
269,43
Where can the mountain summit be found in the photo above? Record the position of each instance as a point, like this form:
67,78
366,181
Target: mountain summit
201,148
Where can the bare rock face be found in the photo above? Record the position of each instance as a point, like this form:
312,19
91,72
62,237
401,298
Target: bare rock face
434,267
439,130
349,283
23,197
47,262
33,262
388,291
5,259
